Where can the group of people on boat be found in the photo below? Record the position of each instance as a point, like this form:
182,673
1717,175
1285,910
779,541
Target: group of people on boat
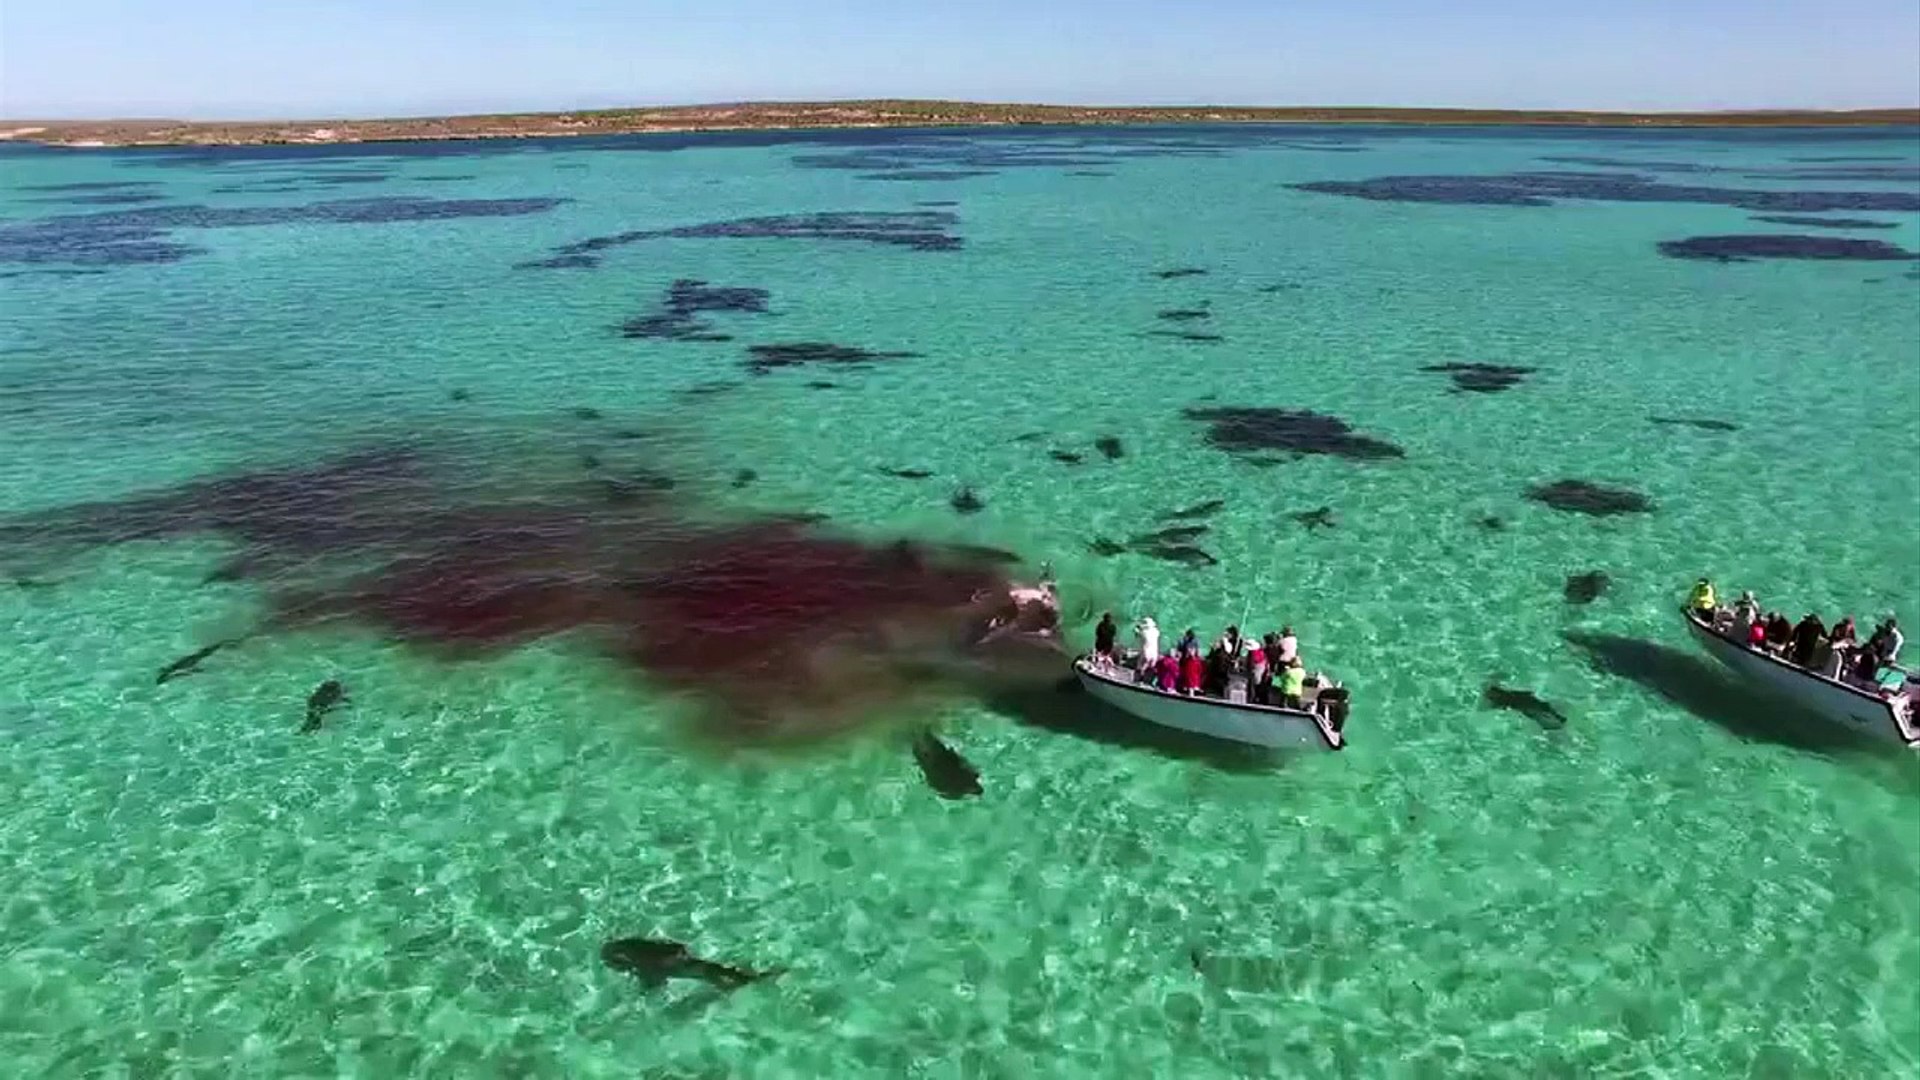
1270,668
1836,652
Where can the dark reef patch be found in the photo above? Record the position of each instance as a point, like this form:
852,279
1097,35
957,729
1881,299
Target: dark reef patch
1826,223
1066,457
1247,429
1088,172
52,271
687,296
1110,447
1839,159
671,328
821,384
766,358
560,262
918,230
441,178
1544,188
928,174
945,154
1490,522
906,474
1873,174
1184,314
918,151
120,237
1900,174
105,198
678,318
1704,423
1179,272
967,501
937,202
336,179
1600,162
1482,378
92,185
1585,497
1196,336
1746,248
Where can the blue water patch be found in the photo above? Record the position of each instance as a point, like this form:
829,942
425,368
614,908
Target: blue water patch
469,829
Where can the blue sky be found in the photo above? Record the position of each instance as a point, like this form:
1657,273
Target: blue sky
317,58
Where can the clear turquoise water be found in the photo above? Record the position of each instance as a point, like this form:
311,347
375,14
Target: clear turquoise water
1677,883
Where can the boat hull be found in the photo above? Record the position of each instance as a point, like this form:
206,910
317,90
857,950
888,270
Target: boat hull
1254,725
1840,705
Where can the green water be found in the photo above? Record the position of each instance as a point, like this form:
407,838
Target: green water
1679,882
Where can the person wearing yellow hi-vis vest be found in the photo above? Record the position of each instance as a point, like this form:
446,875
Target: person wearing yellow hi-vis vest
1702,600
1293,681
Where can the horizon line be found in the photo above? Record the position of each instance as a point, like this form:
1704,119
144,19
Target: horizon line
1770,110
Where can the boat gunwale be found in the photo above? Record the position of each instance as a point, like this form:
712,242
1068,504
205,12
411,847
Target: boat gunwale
1335,740
1700,626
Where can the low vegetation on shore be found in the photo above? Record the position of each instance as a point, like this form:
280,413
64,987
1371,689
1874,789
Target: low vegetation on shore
849,114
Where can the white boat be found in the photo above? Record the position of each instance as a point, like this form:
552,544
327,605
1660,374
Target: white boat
1870,710
1236,721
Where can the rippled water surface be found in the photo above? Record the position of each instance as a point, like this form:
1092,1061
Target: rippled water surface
435,421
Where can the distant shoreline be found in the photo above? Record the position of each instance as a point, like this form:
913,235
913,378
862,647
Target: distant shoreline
800,116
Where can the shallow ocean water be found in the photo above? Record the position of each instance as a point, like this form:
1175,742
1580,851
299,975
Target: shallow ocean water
1681,881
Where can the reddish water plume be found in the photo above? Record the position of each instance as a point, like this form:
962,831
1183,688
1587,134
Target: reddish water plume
780,631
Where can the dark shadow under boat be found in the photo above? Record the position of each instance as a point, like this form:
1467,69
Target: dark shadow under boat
1066,709
1705,690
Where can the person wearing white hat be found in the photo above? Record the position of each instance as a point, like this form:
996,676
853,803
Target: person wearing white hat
1148,635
